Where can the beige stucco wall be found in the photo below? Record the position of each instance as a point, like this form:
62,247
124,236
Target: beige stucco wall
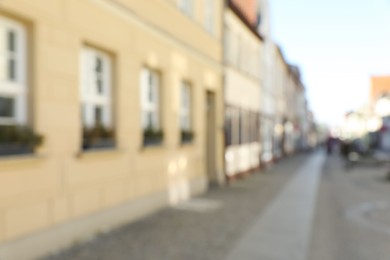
60,184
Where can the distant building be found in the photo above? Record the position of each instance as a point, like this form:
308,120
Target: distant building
380,110
295,112
284,127
278,95
242,79
354,125
248,9
267,98
380,86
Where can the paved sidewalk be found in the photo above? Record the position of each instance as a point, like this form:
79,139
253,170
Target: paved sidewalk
283,231
208,227
352,221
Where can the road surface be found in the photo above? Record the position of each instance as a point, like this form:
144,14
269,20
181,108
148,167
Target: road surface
306,207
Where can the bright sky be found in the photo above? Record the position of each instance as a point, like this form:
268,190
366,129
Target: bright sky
339,45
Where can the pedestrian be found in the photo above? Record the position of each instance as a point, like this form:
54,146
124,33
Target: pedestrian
329,145
345,149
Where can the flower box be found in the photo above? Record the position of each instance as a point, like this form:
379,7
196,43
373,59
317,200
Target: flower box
18,140
99,144
152,137
7,149
98,137
186,137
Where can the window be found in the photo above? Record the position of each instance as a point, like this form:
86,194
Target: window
7,107
187,134
229,113
254,126
245,127
235,112
240,126
209,15
185,109
96,88
257,127
249,125
187,6
13,79
186,113
150,99
96,99
151,108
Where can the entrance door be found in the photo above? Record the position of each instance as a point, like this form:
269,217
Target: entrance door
210,138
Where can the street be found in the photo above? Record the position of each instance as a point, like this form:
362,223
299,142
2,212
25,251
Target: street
353,213
183,129
305,207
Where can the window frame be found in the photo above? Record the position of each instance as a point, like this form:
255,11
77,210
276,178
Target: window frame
209,21
16,88
151,81
186,110
229,126
91,97
187,7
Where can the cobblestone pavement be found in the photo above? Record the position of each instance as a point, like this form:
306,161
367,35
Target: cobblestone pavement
206,228
353,213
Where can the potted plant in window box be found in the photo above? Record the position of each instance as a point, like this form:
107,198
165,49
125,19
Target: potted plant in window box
153,136
187,136
98,137
17,140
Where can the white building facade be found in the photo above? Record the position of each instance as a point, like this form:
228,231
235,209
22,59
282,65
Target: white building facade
242,81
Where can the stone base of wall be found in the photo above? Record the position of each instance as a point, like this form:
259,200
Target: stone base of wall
82,229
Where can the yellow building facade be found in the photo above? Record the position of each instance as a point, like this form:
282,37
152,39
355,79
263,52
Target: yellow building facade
149,72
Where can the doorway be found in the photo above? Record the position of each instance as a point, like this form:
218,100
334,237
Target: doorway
211,138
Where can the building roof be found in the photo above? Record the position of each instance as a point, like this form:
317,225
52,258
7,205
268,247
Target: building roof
252,27
296,74
380,85
282,56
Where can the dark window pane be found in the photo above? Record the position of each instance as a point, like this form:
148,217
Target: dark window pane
250,129
98,115
99,65
150,120
11,41
228,127
99,85
11,69
7,107
82,113
240,134
150,78
150,93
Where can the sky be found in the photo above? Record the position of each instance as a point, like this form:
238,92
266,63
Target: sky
339,45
